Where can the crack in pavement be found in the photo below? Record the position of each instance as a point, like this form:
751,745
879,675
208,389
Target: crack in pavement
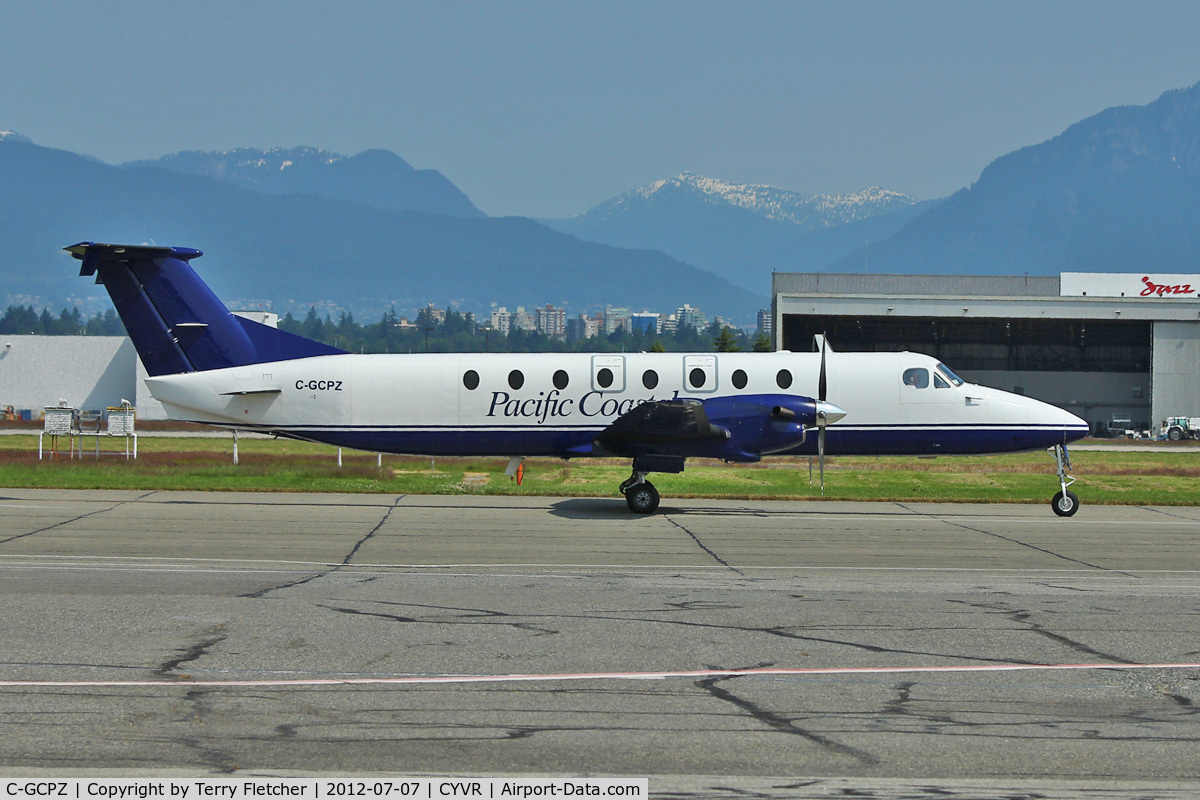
213,757
1168,513
76,519
345,561
899,706
1015,541
702,546
780,722
192,652
486,617
524,626
1024,617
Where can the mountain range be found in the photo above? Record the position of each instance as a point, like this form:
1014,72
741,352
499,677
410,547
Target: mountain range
1118,191
317,248
377,178
738,231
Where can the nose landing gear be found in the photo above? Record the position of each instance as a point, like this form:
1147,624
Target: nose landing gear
1065,503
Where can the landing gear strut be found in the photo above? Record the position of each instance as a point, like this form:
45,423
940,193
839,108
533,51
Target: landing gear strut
640,494
1064,503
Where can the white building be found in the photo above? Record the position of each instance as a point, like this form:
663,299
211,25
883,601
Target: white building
523,320
91,373
552,321
688,317
1104,346
502,320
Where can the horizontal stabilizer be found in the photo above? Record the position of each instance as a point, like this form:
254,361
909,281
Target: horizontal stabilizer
252,391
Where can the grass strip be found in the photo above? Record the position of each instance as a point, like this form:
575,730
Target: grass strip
205,464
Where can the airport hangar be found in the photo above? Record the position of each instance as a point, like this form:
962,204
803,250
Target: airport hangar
1110,348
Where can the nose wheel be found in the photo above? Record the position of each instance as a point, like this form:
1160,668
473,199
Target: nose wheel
1065,503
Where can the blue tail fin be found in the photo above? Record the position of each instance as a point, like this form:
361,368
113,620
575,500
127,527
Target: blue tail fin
175,321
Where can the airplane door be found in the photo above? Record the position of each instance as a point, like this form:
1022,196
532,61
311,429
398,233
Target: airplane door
608,373
700,373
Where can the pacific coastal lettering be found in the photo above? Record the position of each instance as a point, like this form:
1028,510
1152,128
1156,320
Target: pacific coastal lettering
541,408
551,406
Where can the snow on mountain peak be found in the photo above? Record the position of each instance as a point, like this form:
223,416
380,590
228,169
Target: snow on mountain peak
13,136
773,202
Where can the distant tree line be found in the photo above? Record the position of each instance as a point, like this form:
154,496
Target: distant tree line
457,333
24,320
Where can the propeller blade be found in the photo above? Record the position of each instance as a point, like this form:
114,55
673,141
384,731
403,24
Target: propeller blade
822,383
821,455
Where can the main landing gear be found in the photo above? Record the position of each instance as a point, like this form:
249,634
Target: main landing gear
1065,503
640,494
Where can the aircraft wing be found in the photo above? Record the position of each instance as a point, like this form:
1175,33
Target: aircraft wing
662,427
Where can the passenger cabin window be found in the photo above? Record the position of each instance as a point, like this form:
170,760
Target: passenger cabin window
700,373
939,382
739,379
515,379
471,379
561,379
916,377
783,378
649,379
608,373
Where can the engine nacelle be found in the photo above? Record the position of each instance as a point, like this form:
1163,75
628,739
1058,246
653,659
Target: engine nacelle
761,424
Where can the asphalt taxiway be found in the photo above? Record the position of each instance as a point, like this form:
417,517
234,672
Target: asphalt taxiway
709,645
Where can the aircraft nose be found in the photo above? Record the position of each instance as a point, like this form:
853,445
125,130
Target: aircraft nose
828,412
1076,427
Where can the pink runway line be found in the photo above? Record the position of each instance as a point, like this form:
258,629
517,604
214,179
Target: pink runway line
704,674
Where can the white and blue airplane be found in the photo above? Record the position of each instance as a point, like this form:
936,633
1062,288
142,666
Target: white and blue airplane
209,366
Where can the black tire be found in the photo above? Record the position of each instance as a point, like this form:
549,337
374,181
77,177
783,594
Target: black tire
1175,434
1065,505
642,498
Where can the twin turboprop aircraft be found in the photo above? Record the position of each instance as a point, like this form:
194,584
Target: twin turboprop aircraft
209,366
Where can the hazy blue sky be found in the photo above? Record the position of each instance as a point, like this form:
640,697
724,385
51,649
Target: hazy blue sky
547,108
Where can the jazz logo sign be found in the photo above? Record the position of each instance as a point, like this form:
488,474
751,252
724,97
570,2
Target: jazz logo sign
1160,289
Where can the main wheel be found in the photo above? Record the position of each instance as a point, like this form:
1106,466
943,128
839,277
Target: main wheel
1065,505
642,498
1175,434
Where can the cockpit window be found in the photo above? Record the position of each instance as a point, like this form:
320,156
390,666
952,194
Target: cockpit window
950,376
916,377
939,382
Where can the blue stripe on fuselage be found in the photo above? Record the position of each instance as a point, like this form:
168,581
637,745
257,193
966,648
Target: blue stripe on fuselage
895,440
938,440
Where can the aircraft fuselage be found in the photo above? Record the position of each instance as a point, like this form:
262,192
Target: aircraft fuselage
555,404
